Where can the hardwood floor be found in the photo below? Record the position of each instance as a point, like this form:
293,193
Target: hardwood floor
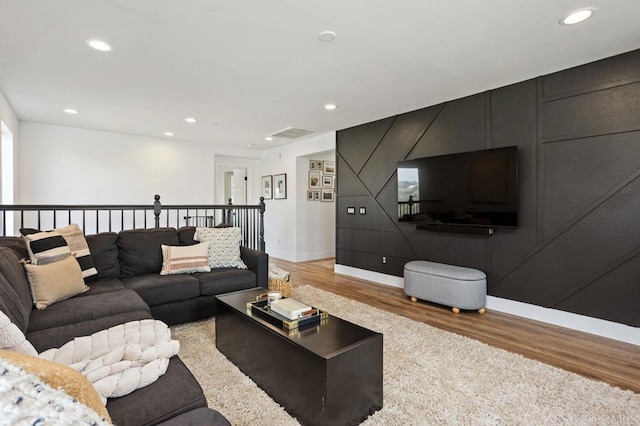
591,356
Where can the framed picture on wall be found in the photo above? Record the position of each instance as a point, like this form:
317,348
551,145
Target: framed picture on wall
329,168
313,164
327,181
316,195
280,186
319,165
327,195
309,195
314,180
267,187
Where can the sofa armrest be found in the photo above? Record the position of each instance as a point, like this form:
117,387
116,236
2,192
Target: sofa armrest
258,262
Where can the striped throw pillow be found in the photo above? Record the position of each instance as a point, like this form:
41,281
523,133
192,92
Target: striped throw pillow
74,237
185,259
47,247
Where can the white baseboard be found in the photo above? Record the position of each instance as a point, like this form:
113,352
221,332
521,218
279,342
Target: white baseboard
280,255
377,277
304,257
598,327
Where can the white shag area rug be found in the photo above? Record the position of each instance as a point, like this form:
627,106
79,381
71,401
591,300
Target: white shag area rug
431,376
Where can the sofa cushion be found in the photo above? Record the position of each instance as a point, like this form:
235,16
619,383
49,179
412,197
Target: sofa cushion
103,285
12,306
139,250
55,281
156,289
174,393
225,280
198,417
11,269
55,337
104,251
78,309
16,244
185,234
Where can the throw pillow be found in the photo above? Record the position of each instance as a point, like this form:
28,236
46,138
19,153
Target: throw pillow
12,339
46,247
74,237
224,246
59,376
185,259
75,240
55,281
25,399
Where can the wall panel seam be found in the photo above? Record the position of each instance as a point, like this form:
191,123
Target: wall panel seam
578,136
373,151
582,91
627,257
568,225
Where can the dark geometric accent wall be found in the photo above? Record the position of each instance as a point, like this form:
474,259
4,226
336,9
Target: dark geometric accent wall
577,246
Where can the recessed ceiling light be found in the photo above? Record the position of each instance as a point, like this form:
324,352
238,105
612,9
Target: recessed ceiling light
327,36
70,111
577,16
330,107
99,45
168,133
268,138
190,120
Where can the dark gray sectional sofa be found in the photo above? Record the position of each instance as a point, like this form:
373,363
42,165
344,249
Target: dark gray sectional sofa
130,288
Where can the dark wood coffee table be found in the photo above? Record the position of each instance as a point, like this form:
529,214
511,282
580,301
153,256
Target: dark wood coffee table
327,374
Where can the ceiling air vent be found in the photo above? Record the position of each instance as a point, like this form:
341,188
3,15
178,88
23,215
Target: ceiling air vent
291,133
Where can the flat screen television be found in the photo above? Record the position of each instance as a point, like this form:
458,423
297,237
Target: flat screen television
478,189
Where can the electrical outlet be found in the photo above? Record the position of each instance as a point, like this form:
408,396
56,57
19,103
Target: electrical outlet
384,259
363,210
351,210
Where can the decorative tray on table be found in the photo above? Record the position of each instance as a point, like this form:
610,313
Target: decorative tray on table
297,318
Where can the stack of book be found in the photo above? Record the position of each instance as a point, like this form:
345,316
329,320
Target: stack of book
289,308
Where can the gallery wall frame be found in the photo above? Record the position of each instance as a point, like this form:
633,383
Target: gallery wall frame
327,181
329,168
267,187
327,195
314,180
280,186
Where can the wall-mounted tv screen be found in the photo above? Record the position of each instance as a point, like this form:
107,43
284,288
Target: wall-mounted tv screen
478,188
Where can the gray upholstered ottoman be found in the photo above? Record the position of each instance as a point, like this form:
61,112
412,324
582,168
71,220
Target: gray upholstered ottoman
455,286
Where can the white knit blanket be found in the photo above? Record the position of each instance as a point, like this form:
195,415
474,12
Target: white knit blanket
121,359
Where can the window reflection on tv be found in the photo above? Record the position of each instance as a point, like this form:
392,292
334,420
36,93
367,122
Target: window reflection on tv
478,188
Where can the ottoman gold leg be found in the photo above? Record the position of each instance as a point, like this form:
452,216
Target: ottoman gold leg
455,310
414,300
482,311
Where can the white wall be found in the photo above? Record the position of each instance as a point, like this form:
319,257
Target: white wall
60,165
8,116
289,231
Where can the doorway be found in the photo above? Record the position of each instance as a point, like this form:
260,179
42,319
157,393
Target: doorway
235,186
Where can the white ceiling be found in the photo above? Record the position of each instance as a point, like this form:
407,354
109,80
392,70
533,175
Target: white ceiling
255,66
